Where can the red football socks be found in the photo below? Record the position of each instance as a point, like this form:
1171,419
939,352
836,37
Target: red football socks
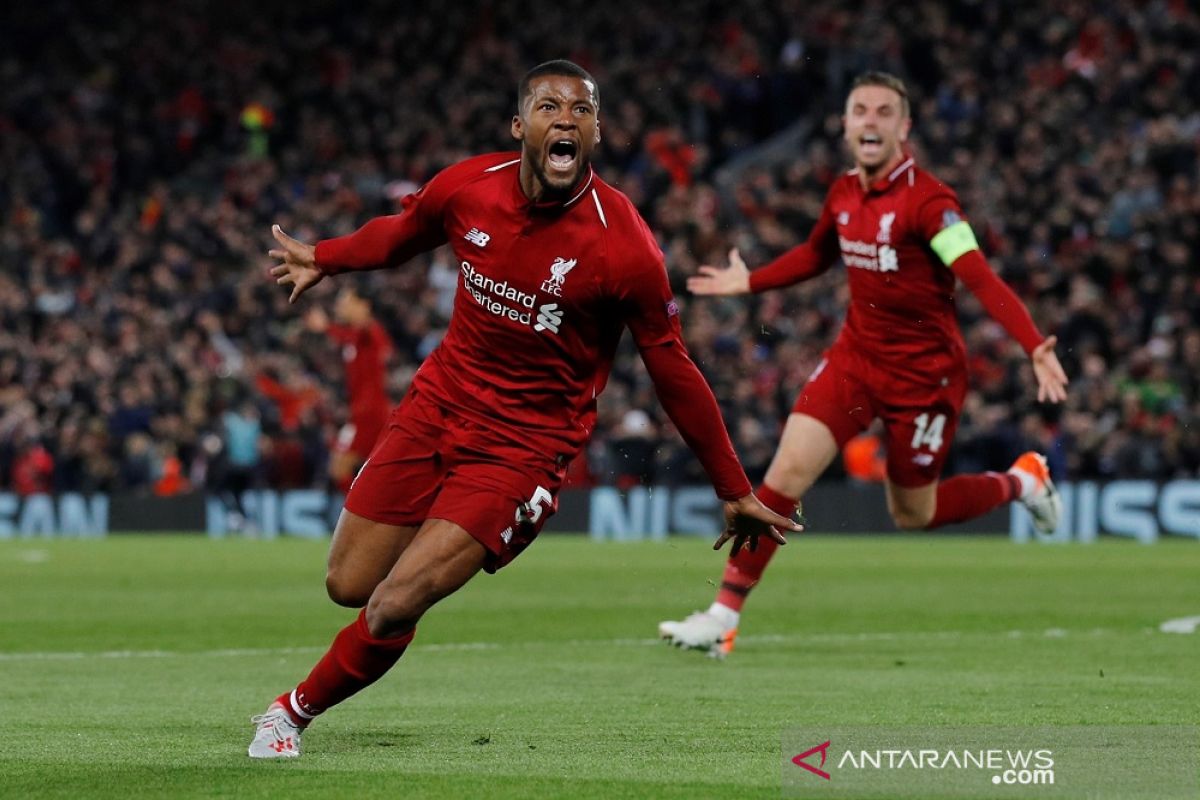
965,497
745,569
353,662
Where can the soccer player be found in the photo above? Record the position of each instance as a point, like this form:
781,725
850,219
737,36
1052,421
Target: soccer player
365,349
554,264
899,357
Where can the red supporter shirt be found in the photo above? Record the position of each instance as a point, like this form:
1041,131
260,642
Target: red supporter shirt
545,292
365,352
902,313
292,403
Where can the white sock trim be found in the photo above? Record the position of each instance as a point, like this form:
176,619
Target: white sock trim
724,615
296,707
1028,482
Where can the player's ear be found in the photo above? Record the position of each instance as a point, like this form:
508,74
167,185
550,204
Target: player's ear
905,128
518,128
597,139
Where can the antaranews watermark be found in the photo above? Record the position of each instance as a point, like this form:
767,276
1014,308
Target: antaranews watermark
1009,762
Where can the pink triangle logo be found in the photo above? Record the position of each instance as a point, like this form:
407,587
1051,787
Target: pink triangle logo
800,762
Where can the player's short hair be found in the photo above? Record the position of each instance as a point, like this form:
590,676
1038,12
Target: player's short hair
358,294
888,81
560,67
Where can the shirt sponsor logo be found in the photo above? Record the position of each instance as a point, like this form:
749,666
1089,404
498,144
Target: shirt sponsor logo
558,274
498,297
868,255
477,237
672,308
549,318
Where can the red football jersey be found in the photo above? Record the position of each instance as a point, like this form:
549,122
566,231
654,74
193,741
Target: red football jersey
545,292
902,311
365,351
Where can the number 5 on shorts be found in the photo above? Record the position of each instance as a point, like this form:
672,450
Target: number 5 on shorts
928,432
532,511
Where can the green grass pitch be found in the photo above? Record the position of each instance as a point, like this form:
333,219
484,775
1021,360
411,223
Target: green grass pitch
129,667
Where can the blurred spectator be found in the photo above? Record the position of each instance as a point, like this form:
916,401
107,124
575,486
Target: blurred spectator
865,459
633,443
146,154
237,470
32,470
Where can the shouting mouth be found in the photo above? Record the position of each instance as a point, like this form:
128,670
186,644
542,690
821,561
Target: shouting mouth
562,155
870,144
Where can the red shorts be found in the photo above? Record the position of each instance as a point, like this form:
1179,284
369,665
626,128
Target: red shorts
431,463
919,412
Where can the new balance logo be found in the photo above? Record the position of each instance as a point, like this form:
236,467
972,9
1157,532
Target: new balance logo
477,237
549,318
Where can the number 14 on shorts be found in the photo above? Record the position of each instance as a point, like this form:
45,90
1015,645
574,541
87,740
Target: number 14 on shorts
928,432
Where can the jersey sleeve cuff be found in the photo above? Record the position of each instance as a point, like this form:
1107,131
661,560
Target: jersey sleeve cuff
321,256
735,491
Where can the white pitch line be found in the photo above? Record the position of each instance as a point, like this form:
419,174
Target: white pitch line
453,647
1180,625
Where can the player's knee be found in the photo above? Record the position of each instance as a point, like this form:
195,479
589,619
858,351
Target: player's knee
790,470
345,591
908,519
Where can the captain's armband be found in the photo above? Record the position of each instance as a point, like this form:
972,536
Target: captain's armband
953,241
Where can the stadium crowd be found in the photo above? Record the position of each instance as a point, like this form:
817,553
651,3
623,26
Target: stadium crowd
146,154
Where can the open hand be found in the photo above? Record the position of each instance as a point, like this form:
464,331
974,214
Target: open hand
1051,379
746,519
299,267
734,279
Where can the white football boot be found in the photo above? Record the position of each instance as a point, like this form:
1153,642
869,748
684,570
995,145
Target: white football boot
700,631
1038,493
277,735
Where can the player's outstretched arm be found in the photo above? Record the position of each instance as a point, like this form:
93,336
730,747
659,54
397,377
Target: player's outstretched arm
746,519
731,280
690,404
1051,378
299,267
1003,305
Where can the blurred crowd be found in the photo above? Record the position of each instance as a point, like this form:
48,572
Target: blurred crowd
145,155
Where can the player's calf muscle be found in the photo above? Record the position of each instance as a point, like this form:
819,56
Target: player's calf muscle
396,606
440,560
911,513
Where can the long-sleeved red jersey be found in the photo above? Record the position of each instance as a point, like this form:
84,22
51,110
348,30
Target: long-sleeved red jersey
545,292
902,311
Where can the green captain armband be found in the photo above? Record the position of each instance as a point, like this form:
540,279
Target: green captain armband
952,241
